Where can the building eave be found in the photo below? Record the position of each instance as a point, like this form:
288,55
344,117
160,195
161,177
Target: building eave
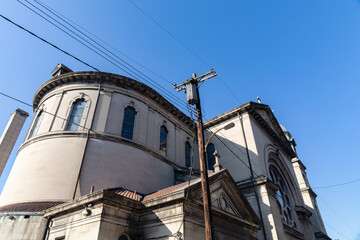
275,133
114,79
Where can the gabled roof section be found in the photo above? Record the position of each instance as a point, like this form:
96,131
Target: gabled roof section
221,184
264,116
226,197
222,187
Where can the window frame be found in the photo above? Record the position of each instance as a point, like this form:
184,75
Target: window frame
210,156
163,143
188,149
284,196
69,124
36,124
130,124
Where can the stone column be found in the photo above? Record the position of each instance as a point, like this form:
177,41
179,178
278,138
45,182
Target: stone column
10,135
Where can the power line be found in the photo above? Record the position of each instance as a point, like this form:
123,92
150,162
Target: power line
98,51
128,73
337,215
236,155
42,39
337,185
260,177
39,109
61,16
172,35
182,44
337,231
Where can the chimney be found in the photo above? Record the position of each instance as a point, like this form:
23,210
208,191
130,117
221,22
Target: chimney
10,135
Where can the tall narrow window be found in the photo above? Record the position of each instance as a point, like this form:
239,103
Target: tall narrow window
283,196
76,115
36,124
210,156
128,123
163,140
187,154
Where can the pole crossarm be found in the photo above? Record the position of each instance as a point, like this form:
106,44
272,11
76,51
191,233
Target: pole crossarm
198,79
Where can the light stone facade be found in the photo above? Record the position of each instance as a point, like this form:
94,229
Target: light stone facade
284,203
78,168
100,157
168,214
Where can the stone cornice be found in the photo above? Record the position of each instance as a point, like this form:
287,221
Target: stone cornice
293,232
275,133
244,184
297,160
114,79
310,191
90,200
303,210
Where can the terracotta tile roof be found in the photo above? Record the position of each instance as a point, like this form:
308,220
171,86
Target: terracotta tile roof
165,191
143,197
128,193
37,206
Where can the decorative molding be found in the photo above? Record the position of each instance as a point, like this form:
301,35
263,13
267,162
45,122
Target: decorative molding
276,134
113,79
293,232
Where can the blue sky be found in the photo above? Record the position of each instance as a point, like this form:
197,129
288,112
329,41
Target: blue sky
301,57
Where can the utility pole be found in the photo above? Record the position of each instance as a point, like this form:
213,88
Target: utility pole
192,94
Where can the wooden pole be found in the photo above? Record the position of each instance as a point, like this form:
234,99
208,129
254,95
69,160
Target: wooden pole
209,230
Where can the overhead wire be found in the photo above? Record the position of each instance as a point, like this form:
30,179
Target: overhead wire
44,111
337,231
121,65
167,31
190,169
78,30
232,151
150,71
183,44
331,228
337,185
104,42
47,42
337,215
258,176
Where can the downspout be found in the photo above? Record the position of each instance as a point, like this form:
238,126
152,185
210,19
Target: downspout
252,176
47,229
87,138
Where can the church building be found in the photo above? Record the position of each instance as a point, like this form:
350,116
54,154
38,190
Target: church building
108,158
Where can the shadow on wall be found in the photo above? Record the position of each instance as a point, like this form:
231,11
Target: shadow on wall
235,158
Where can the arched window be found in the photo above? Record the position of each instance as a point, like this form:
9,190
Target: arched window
128,123
36,124
76,115
283,196
187,154
163,140
210,156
